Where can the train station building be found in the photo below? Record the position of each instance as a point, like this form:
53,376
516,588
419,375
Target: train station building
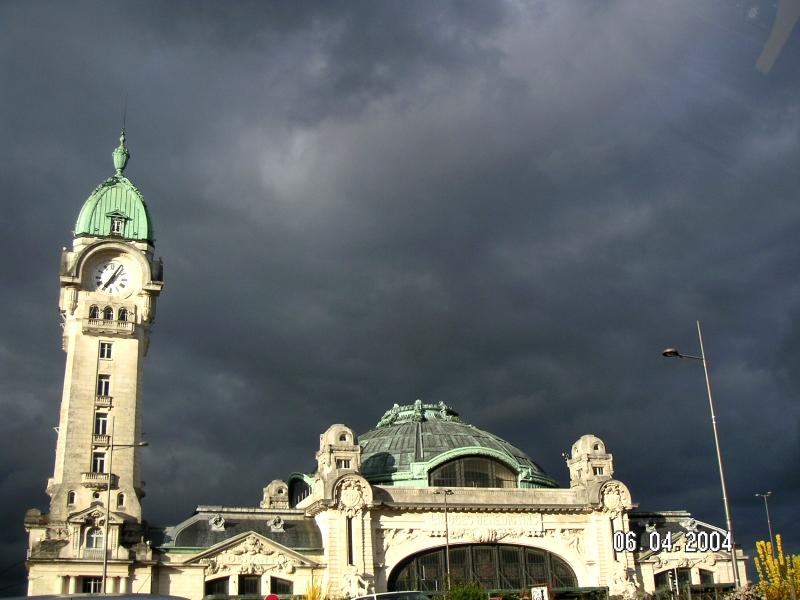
422,499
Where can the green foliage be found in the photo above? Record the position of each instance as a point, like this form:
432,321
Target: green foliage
467,591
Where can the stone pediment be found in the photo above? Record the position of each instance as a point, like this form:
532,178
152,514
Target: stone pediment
95,515
250,554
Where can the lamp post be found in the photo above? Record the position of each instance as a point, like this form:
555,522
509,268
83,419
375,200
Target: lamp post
673,353
769,523
111,446
446,493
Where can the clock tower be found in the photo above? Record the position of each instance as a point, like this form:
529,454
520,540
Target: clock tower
109,282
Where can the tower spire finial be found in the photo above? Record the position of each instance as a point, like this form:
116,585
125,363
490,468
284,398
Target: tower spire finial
121,154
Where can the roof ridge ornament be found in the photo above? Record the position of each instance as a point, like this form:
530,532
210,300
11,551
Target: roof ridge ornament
417,413
121,154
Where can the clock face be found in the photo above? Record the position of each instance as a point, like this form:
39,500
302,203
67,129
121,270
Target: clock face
112,277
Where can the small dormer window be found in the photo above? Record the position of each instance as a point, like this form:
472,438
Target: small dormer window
342,463
598,470
343,437
117,225
597,447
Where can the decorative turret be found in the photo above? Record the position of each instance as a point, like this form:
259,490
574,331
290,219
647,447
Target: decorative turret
589,462
276,495
339,452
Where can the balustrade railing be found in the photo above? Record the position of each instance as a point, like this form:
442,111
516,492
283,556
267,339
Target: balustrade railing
104,325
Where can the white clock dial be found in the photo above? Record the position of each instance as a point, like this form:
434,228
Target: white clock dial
112,277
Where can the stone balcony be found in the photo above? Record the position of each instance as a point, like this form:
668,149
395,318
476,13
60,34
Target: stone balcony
102,401
107,327
100,440
92,553
98,481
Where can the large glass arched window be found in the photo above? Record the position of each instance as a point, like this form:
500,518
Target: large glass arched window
108,313
94,312
493,566
473,471
123,314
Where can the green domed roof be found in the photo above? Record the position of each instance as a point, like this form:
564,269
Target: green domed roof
411,440
116,200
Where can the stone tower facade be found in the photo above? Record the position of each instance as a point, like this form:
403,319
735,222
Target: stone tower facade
109,283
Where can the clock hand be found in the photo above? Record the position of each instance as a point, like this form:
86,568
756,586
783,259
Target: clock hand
113,277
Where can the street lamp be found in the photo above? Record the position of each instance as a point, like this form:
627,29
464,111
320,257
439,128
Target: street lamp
446,493
673,353
111,446
769,523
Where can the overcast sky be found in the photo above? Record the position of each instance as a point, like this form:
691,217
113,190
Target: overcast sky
511,207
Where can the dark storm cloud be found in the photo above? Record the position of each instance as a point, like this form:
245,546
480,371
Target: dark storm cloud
510,208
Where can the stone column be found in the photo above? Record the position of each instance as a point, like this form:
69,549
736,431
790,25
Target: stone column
60,584
124,585
73,584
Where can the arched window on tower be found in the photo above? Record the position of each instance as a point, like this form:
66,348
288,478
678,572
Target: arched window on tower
120,500
108,313
94,312
70,498
123,314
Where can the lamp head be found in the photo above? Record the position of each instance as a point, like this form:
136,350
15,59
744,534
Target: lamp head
671,353
143,444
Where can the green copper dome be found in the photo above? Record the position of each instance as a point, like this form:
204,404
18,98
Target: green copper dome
116,207
411,441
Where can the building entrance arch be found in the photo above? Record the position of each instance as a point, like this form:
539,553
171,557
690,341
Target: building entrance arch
493,566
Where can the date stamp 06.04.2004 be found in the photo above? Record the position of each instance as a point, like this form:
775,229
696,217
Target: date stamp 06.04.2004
656,541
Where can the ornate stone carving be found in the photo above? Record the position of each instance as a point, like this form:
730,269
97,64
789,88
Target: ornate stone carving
70,299
276,525
490,527
419,413
351,497
574,539
356,584
390,416
615,497
217,522
397,535
482,528
625,584
689,524
251,557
